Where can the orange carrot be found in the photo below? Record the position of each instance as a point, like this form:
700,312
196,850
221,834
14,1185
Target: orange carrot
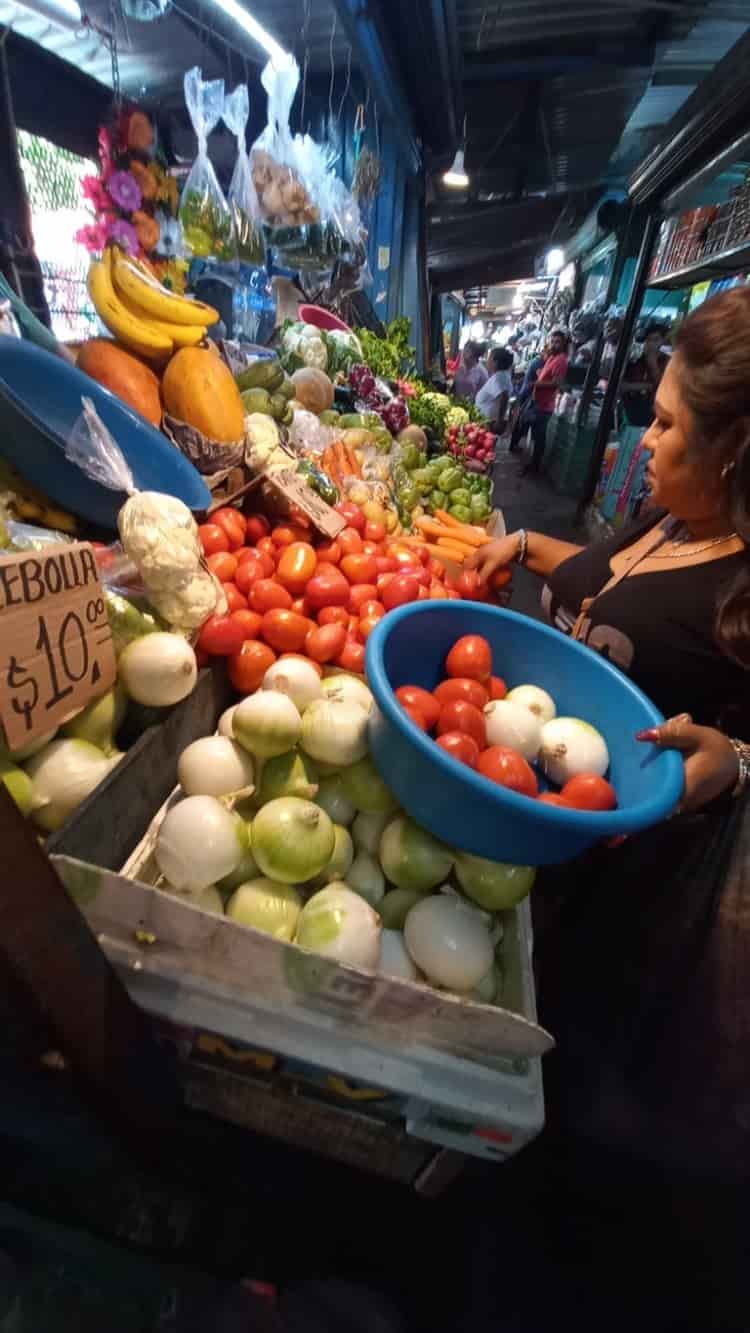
454,541
473,536
433,529
442,553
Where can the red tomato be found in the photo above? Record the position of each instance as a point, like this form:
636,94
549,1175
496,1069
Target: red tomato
267,595
325,643
327,589
448,691
374,532
413,696
223,565
248,573
359,568
246,553
266,547
509,769
462,746
587,791
424,593
352,658
330,552
299,605
370,548
470,656
286,533
235,599
372,608
460,715
386,564
285,630
213,538
437,569
202,658
418,718
382,582
233,524
256,527
424,555
301,658
248,667
361,593
221,636
399,590
417,571
250,622
404,556
550,798
354,516
436,590
296,566
367,625
496,687
352,628
501,578
469,586
334,615
350,542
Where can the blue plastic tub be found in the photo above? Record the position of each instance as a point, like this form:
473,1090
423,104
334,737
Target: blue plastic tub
40,402
409,647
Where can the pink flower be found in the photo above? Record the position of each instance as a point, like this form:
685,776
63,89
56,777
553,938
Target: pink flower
93,190
122,233
105,153
125,191
93,237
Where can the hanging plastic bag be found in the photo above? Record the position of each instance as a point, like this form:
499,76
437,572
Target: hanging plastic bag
242,197
204,212
158,532
278,157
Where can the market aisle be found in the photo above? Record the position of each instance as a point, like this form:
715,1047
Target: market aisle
530,502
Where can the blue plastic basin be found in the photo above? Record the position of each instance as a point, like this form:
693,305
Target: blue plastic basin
409,647
40,402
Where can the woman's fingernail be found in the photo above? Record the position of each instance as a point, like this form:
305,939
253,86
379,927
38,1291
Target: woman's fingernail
651,734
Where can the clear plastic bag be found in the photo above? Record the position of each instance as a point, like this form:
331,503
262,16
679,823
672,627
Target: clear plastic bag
288,170
242,197
158,532
204,212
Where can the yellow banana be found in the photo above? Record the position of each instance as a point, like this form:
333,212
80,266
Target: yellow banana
137,334
182,335
155,301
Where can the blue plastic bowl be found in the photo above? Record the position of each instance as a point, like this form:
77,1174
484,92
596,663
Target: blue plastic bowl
40,402
409,647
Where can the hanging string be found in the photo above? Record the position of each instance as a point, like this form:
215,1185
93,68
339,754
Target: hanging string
333,74
306,62
113,56
348,81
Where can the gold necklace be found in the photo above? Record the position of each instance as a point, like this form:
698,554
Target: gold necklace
698,550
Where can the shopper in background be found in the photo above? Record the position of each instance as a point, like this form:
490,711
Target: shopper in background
644,372
471,374
549,380
492,399
525,400
612,332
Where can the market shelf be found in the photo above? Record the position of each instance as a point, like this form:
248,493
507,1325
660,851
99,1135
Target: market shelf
712,266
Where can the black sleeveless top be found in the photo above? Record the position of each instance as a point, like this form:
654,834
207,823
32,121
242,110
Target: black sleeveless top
658,628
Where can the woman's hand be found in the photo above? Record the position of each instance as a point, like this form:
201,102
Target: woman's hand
711,763
492,556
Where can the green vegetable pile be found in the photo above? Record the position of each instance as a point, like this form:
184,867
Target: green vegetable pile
440,483
389,357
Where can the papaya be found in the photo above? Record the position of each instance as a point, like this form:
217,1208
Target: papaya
199,388
124,375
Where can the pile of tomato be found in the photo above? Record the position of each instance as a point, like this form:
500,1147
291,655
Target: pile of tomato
287,592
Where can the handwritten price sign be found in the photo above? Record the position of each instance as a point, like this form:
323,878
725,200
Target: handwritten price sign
56,648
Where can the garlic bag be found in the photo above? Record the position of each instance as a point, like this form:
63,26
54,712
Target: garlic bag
204,212
242,196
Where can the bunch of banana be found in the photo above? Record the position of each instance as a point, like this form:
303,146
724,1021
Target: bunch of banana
142,314
23,501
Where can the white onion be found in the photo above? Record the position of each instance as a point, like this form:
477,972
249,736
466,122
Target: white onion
512,725
448,944
18,785
63,775
366,789
266,905
224,725
296,678
335,733
267,723
367,830
290,774
341,858
348,689
366,878
214,766
395,960
199,842
292,840
99,722
332,798
158,669
494,885
537,700
571,746
411,858
394,908
338,924
209,900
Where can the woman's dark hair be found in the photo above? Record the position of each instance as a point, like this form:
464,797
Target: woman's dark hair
501,358
712,361
656,326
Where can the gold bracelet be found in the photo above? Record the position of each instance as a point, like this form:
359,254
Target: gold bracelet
742,750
